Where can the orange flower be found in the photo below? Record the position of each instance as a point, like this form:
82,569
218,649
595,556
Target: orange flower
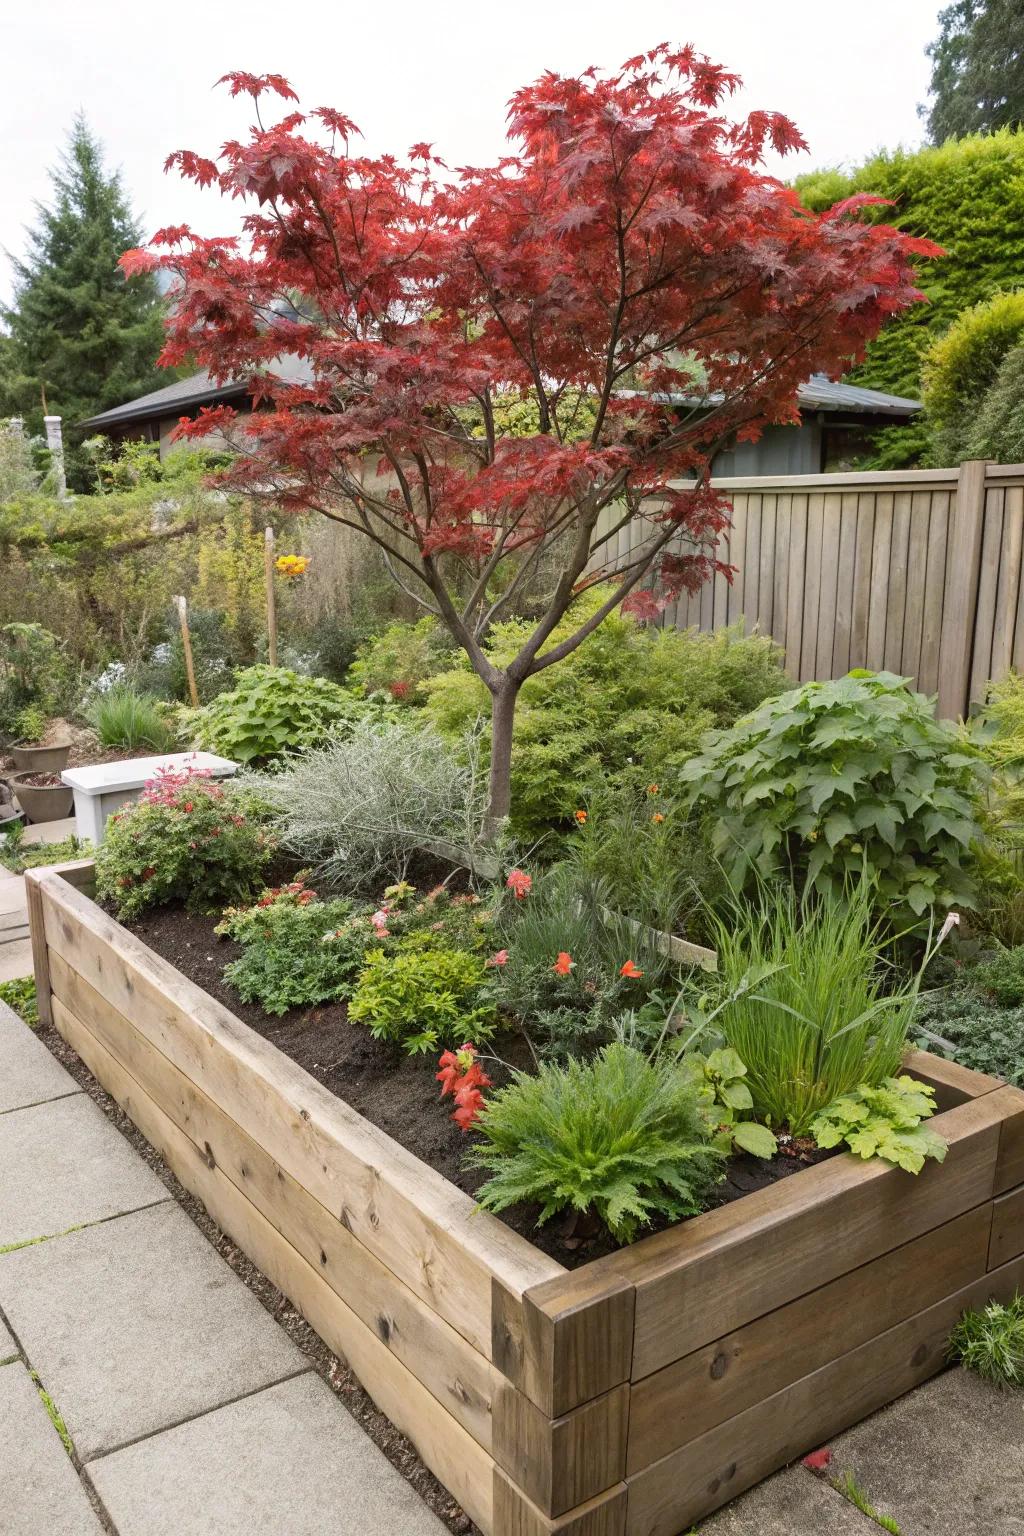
653,789
581,816
630,971
519,883
657,816
564,964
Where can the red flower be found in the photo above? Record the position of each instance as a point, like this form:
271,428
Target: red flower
564,964
817,1461
470,1102
399,690
630,971
188,805
519,883
500,957
657,816
462,1076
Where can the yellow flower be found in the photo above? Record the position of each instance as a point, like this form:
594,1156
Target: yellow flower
291,565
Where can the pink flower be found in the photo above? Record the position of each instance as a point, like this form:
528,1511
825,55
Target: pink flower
519,883
500,957
817,1461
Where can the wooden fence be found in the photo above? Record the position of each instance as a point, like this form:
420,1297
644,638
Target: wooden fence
914,571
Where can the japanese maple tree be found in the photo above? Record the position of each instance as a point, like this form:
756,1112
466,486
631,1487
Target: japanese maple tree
628,273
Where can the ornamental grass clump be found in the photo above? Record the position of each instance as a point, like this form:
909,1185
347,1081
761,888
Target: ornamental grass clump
834,781
990,1342
822,1017
186,840
122,717
621,1136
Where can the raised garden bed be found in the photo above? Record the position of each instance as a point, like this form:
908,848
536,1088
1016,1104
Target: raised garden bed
628,1398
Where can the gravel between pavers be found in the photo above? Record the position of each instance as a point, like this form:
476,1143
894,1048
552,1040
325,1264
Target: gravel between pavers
399,1451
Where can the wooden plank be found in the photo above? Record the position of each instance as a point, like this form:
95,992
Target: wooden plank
878,600
736,555
752,563
934,587
560,1463
858,479
1015,500
780,568
797,579
812,587
729,1266
731,1374
988,581
448,1450
40,952
892,656
765,585
514,1515
961,594
426,1231
668,943
1008,590
917,567
1010,1162
844,585
1007,1228
862,580
953,1083
566,1341
830,539
699,1477
461,1379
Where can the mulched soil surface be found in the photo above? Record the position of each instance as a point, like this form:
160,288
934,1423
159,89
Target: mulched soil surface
400,1093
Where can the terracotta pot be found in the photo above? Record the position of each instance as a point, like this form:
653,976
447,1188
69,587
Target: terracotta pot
42,802
41,759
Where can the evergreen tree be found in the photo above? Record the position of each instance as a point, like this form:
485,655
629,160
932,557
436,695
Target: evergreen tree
977,59
81,338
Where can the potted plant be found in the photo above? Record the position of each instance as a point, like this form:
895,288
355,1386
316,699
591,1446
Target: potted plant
28,753
40,792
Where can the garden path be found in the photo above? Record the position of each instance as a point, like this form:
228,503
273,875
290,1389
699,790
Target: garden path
15,949
184,1410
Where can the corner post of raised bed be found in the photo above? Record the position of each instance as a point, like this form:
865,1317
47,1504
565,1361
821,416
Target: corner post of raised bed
564,1351
40,953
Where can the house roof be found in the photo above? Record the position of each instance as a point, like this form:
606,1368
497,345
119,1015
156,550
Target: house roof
818,394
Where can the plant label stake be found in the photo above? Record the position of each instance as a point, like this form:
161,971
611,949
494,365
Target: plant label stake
268,570
186,645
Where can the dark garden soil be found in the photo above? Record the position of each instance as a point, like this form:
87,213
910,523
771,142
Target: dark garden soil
399,1093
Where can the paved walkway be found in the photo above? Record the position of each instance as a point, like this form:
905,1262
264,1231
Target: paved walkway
144,1390
15,949
184,1410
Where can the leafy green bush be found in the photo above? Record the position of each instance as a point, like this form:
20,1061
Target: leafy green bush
997,430
423,996
123,718
21,996
990,1341
819,1019
402,657
962,1025
297,951
187,840
34,677
962,365
271,711
835,780
627,708
620,1135
1001,976
883,1120
724,1097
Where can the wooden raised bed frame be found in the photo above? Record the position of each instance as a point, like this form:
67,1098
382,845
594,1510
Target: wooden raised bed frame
629,1398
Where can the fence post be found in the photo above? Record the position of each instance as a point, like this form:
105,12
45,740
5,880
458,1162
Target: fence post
960,604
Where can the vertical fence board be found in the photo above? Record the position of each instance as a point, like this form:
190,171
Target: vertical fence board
862,580
917,564
735,555
935,576
892,658
1008,591
796,573
829,585
752,562
780,594
844,584
765,585
988,581
812,592
878,602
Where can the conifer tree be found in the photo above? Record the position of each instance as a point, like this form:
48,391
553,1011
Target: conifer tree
81,337
977,82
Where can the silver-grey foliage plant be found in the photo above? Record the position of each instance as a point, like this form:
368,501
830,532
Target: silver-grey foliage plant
358,811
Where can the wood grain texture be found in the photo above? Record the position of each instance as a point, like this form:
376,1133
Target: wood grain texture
934,584
812,587
896,597
844,584
796,567
731,1374
985,599
515,1515
729,1266
954,1084
566,1341
451,1454
1010,1162
40,950
462,1380
560,1463
420,1226
688,1484
878,601
960,598
862,580
1007,1228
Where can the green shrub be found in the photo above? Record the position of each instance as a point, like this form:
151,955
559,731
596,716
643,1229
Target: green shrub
35,675
837,780
997,430
1001,976
402,657
297,951
962,365
187,840
725,1098
819,1019
271,711
960,1024
21,996
423,996
620,1135
123,718
883,1120
626,708
990,1341
17,855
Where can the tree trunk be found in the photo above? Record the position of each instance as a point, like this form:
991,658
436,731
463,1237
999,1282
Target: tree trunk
503,709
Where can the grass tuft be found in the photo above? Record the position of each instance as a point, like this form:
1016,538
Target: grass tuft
847,1485
990,1342
55,1416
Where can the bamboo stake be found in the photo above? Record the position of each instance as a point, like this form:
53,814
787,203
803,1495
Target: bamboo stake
186,645
268,573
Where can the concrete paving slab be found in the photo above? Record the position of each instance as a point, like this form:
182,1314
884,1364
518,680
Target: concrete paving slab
15,960
12,893
30,1073
286,1462
946,1460
40,1491
138,1323
8,1348
64,1164
50,831
792,1503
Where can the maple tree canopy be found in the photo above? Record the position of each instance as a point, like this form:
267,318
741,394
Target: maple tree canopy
629,273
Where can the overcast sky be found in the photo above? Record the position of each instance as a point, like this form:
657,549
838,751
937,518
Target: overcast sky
850,75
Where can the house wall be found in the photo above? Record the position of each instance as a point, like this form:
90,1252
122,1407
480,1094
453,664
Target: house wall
779,451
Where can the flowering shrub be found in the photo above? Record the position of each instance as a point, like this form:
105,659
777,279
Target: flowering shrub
186,840
421,995
297,951
462,1076
291,565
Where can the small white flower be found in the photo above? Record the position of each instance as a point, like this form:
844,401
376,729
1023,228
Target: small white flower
952,921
